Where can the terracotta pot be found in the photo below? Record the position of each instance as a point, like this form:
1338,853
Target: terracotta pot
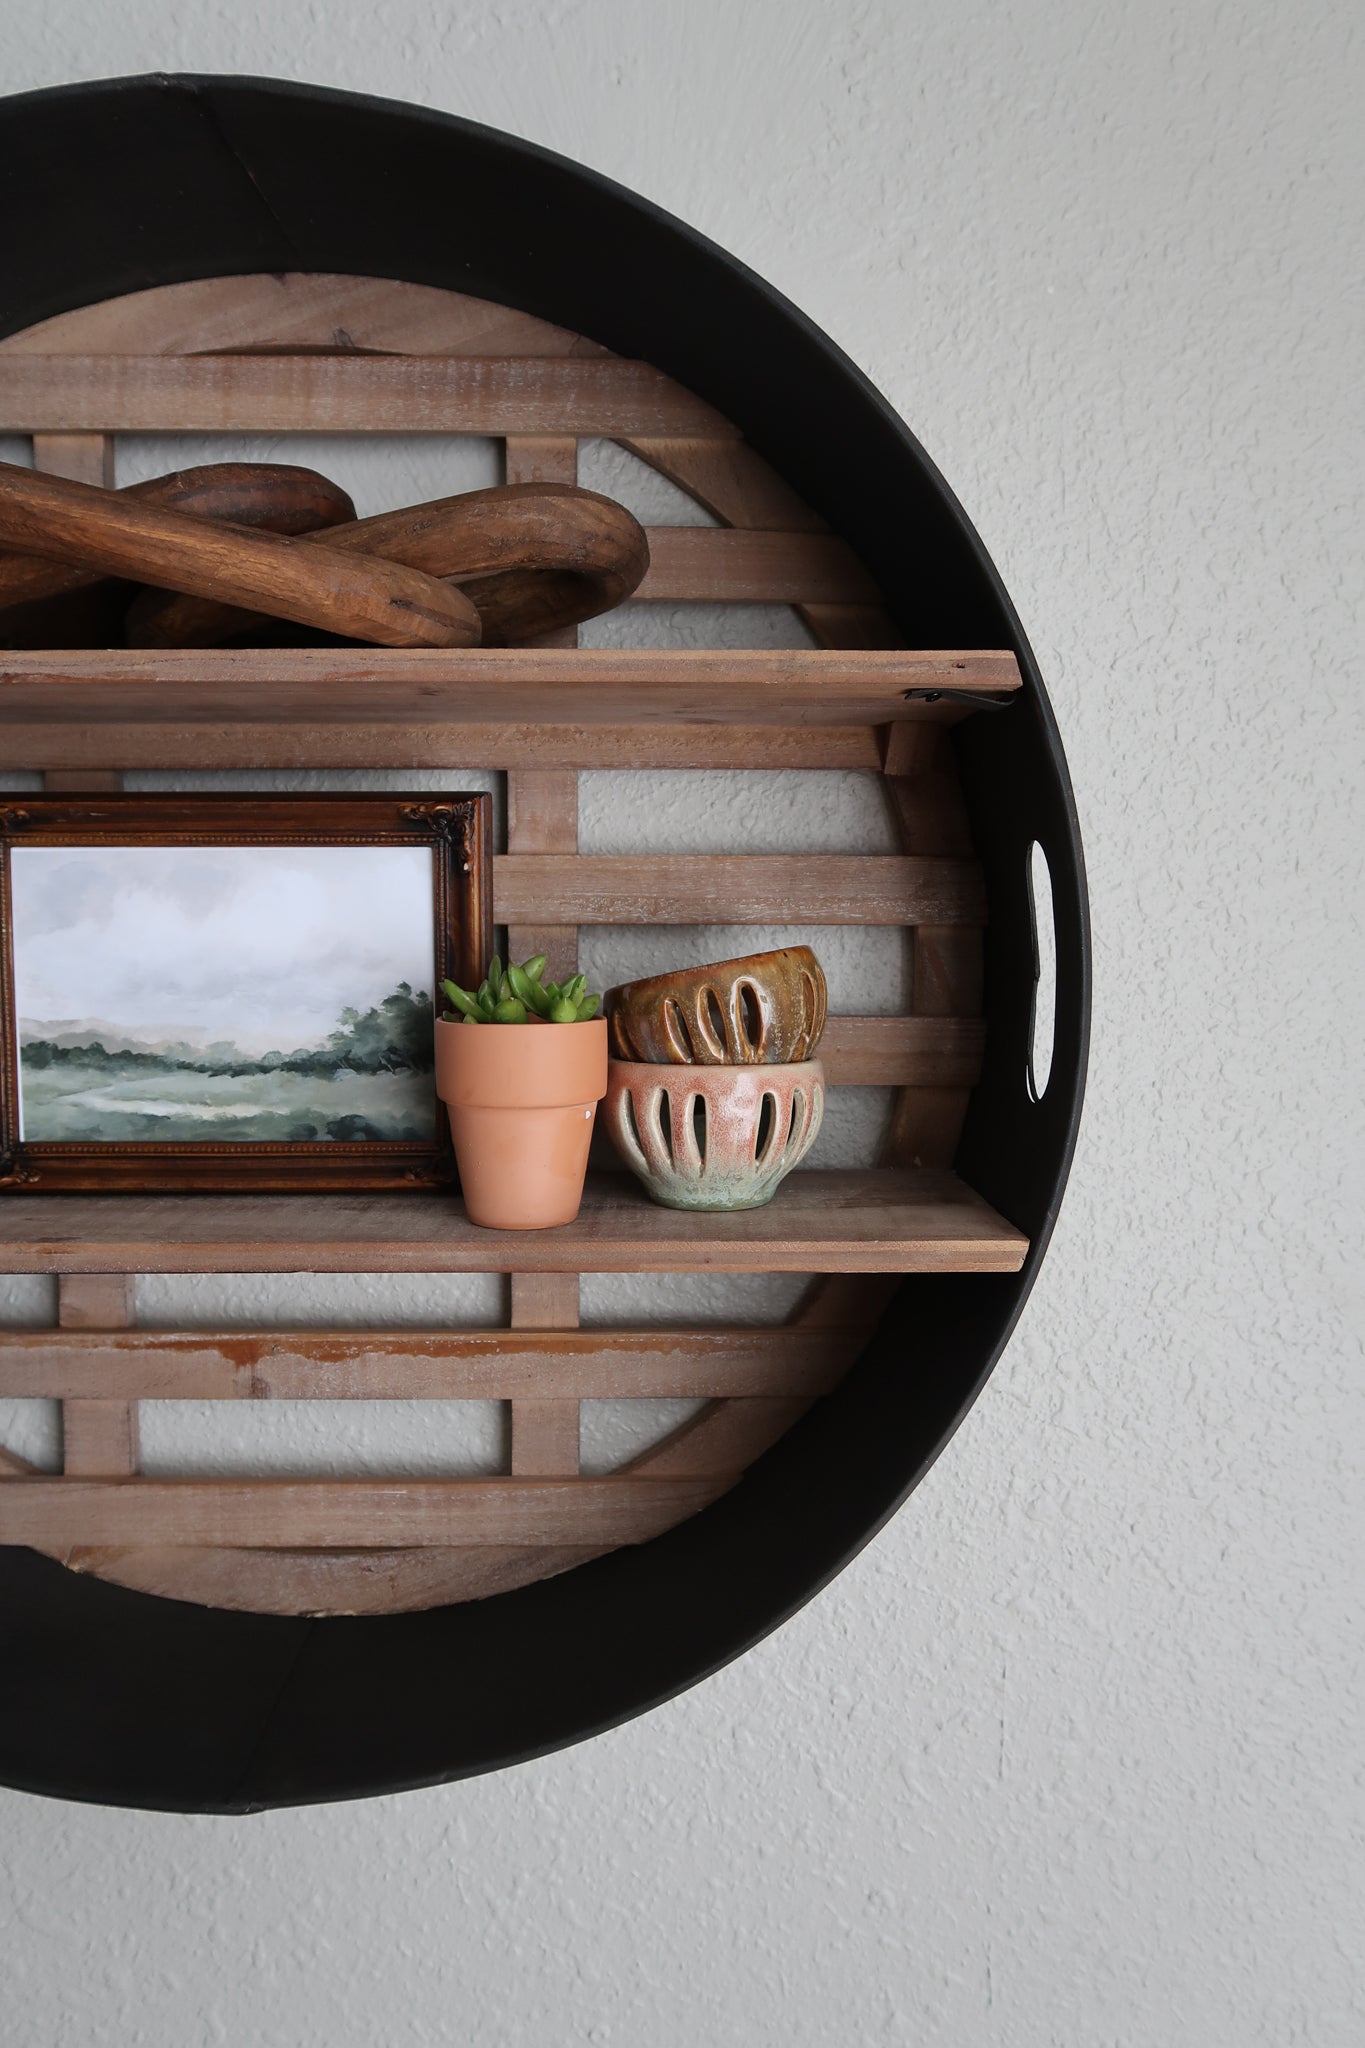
521,1098
765,1009
713,1137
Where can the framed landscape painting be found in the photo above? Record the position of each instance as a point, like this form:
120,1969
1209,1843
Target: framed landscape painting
232,992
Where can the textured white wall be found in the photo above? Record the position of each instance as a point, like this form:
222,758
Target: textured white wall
1066,1757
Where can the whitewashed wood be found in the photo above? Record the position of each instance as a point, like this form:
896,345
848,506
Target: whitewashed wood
792,560
947,956
82,781
84,458
545,1422
282,1581
542,804
867,1221
343,1513
725,1437
493,685
896,1052
731,480
737,486
518,1364
99,1435
697,564
297,309
542,817
736,888
400,744
346,394
545,459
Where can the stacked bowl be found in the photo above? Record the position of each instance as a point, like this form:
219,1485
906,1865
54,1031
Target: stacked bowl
712,1094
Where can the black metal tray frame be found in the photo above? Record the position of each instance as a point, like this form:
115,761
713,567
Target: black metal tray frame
118,1697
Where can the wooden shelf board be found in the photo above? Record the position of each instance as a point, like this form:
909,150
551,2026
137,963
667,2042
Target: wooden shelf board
323,686
878,1220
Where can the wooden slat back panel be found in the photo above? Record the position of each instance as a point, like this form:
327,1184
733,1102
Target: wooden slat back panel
307,354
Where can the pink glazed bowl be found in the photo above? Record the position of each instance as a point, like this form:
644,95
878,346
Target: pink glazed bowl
713,1137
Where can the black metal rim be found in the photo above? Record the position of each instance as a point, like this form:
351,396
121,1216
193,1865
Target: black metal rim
116,1697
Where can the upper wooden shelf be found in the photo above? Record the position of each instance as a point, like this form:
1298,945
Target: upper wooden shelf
879,1220
489,685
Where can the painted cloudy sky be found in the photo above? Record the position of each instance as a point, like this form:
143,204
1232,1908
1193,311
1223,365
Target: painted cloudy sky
264,945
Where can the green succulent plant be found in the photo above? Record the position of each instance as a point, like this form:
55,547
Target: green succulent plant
514,995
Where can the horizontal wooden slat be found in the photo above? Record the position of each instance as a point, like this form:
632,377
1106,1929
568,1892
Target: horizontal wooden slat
418,1365
736,888
490,685
296,309
347,394
327,1581
718,565
343,1513
873,1220
398,745
899,1052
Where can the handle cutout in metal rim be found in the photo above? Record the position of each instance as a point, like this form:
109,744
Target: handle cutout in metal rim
1043,1007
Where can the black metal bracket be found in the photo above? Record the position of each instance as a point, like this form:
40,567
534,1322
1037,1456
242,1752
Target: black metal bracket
978,699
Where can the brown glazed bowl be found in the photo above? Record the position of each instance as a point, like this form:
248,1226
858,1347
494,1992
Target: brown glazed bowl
767,1009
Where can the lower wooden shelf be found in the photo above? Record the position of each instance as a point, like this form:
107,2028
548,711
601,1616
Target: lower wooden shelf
880,1220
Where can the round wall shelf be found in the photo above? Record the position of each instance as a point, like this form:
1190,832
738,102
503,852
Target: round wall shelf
231,255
